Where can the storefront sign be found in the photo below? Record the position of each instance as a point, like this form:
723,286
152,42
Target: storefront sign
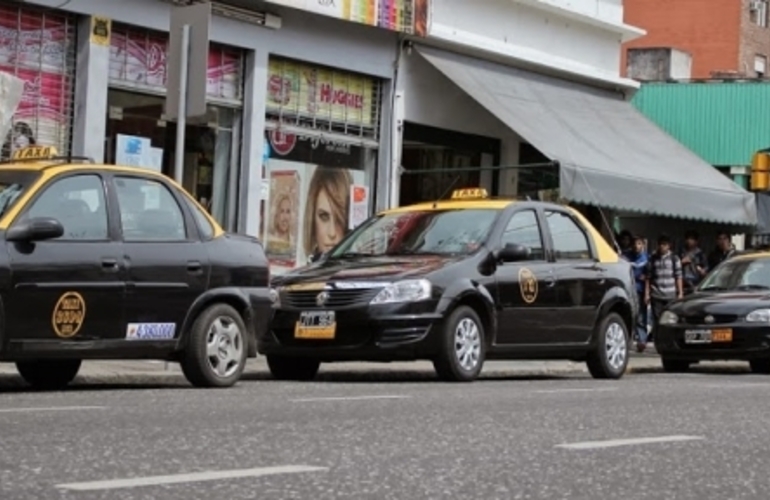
320,93
406,16
141,58
34,47
359,205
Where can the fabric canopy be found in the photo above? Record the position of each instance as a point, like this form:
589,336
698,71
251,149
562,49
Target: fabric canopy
610,155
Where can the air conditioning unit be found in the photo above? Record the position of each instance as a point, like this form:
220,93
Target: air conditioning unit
264,19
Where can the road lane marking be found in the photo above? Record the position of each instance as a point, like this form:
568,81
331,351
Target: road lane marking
196,477
51,408
587,389
612,443
739,385
347,398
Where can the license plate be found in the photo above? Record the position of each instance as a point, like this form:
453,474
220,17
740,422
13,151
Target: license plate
708,336
316,325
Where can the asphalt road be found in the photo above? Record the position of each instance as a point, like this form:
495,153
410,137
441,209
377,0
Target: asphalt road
649,436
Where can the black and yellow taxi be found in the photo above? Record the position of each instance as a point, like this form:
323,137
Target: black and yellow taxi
109,262
726,318
456,282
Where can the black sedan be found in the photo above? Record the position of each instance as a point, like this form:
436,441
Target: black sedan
727,318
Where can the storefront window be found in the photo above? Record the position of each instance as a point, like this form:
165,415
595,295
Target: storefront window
315,192
138,135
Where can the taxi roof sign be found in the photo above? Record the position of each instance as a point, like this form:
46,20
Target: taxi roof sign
470,194
35,153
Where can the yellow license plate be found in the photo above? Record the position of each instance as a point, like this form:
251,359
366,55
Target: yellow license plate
316,325
722,335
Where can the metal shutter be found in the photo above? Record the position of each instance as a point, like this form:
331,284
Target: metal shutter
323,100
138,62
38,46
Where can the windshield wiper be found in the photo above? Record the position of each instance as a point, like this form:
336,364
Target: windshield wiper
712,288
752,287
352,255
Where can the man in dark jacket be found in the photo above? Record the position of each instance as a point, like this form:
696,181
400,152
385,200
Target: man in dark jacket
723,251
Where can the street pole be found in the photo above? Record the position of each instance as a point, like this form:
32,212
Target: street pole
181,121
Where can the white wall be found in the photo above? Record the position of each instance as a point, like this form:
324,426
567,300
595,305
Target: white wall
575,37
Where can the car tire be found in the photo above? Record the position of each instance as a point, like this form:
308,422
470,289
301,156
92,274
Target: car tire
760,366
674,365
462,347
609,357
216,348
49,374
294,369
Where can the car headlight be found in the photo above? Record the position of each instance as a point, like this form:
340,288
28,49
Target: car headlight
403,291
275,297
759,316
668,318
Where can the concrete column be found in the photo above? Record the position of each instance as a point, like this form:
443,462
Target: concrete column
91,85
385,171
255,93
509,155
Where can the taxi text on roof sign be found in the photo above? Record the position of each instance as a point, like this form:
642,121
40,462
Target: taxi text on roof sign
35,153
470,194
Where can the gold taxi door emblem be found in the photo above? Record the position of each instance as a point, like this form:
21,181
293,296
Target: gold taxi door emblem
528,285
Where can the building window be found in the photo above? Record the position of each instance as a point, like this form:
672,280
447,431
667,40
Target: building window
760,65
758,12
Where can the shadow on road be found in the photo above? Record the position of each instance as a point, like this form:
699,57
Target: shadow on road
385,376
14,384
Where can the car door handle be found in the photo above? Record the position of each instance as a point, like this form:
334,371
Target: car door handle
194,266
110,265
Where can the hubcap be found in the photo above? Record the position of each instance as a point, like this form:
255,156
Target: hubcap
616,345
224,346
467,344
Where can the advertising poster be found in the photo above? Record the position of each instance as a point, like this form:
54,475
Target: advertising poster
314,196
34,47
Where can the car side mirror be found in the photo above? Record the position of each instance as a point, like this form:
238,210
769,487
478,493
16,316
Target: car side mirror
512,252
35,229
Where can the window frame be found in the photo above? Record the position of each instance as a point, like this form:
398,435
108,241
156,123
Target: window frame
589,241
193,208
543,241
191,229
48,183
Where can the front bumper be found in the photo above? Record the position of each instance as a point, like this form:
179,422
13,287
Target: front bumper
748,342
388,332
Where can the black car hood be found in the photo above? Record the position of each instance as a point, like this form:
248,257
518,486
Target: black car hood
737,302
385,269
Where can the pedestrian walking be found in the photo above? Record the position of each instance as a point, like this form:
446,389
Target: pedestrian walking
638,259
663,282
694,262
723,251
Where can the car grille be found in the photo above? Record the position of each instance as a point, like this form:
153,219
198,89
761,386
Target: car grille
337,298
719,319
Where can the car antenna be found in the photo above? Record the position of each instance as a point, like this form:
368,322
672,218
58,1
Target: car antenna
448,190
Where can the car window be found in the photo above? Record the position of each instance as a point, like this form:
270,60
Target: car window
523,229
78,203
569,239
204,226
148,211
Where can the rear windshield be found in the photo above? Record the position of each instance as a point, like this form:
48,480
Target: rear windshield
14,183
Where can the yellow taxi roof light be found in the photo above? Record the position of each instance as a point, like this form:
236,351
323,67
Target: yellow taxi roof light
35,153
470,194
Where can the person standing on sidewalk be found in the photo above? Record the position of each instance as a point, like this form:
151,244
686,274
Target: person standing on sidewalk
723,251
663,282
694,265
638,259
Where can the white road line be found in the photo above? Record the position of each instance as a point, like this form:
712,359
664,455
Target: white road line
51,408
348,398
592,445
744,385
195,477
587,389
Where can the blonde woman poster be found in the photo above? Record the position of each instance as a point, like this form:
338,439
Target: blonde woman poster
282,220
327,209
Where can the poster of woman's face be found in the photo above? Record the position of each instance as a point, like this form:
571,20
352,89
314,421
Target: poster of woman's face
421,13
20,136
327,209
283,216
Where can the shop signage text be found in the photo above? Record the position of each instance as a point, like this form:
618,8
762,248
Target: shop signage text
406,16
327,95
283,143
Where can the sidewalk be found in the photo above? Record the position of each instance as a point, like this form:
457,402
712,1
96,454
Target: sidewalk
158,372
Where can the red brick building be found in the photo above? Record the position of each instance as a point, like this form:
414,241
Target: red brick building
723,37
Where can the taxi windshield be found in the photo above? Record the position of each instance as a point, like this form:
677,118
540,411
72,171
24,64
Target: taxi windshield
426,232
12,184
739,274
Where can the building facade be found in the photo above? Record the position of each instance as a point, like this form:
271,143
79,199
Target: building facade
333,110
728,38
